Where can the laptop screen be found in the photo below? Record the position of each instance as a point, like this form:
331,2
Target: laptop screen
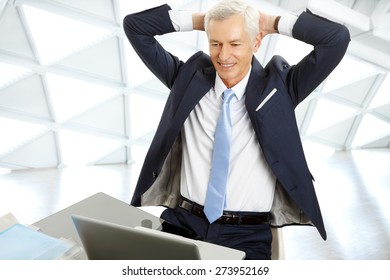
108,241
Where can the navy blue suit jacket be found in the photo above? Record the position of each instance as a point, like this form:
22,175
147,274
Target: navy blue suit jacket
274,122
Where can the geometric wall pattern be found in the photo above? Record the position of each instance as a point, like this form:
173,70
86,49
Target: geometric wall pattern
73,92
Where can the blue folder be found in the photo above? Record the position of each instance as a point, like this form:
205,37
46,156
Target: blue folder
20,242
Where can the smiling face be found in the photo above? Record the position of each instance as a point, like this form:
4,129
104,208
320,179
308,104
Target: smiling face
231,48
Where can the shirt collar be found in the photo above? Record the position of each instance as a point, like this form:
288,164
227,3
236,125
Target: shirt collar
239,89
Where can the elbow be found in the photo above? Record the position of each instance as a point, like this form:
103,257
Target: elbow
344,36
127,24
339,39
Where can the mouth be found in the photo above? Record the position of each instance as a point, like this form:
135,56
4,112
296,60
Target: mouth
226,65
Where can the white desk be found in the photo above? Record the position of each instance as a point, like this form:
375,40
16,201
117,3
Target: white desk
104,207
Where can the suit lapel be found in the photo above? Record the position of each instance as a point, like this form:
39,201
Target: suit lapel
255,87
201,83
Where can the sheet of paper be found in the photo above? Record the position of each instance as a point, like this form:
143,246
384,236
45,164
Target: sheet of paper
7,221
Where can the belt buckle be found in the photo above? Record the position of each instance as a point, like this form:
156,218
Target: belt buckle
187,205
231,217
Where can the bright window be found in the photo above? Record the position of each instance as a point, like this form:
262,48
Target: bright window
57,36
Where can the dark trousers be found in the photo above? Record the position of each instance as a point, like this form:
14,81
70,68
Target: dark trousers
254,240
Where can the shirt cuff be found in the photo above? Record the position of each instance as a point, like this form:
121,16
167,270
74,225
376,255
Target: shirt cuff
286,24
181,20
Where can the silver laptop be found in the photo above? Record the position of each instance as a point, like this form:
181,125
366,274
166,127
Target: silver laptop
107,241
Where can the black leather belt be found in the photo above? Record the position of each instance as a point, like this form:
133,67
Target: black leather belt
228,217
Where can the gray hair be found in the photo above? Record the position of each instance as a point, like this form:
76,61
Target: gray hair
227,8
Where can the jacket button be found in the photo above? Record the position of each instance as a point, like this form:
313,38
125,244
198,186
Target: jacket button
154,175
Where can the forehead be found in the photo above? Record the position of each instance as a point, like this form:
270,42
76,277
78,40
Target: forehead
230,28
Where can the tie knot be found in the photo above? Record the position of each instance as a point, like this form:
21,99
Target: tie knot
228,94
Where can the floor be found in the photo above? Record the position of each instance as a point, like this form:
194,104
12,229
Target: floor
353,190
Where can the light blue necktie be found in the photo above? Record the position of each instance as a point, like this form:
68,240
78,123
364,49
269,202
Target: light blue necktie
216,190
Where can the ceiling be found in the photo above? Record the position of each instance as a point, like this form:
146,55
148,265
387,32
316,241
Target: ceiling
73,92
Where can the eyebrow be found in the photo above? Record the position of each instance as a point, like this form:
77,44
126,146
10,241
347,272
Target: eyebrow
231,41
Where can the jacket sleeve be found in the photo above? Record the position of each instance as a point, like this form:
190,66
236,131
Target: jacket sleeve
330,41
141,29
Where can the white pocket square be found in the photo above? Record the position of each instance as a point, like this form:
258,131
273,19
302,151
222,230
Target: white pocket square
266,99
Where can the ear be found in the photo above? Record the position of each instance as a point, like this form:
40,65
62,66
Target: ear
257,42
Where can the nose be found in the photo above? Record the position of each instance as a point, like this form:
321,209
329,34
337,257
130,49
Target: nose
224,53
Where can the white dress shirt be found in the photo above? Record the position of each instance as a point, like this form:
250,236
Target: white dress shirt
251,184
